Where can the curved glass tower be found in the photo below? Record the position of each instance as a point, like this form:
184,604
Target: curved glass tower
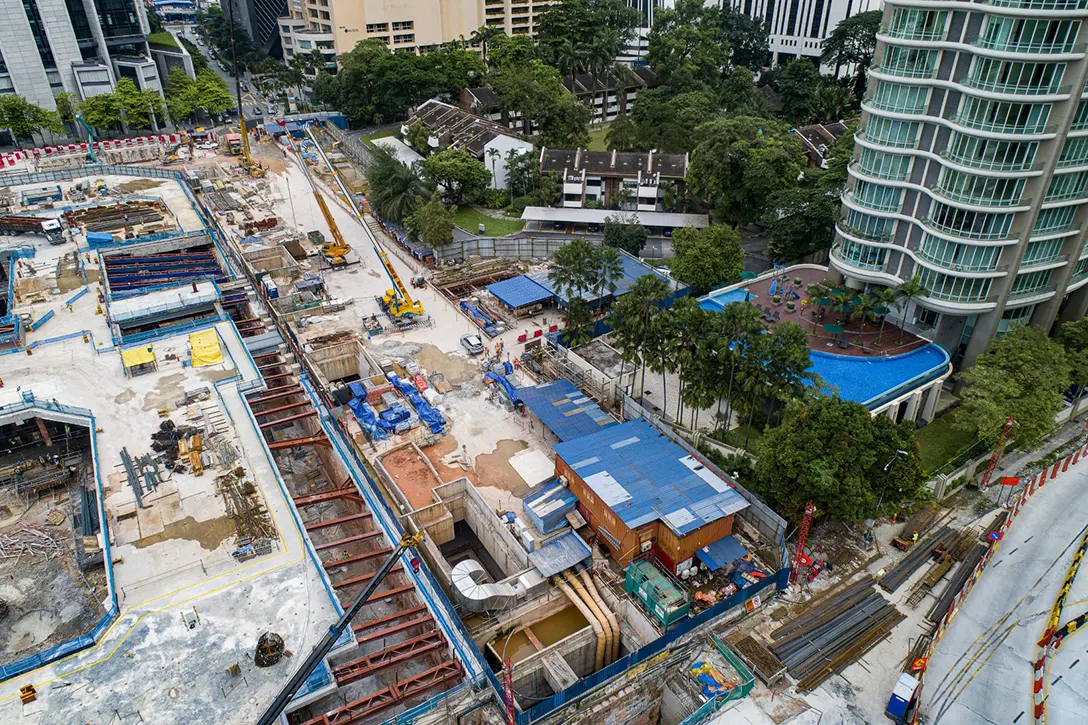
971,166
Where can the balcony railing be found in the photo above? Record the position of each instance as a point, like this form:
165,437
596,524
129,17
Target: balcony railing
1041,261
1031,291
904,71
987,266
1027,47
912,109
977,199
883,236
876,206
878,174
1066,196
1040,4
986,165
900,143
1004,128
858,263
1069,163
965,234
927,36
1060,229
960,297
1078,277
1016,89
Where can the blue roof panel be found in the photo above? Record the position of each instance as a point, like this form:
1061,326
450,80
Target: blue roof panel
559,554
565,409
520,291
650,479
722,552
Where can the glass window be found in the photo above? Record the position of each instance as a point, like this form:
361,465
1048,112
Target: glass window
1021,35
1067,186
894,167
899,98
913,24
877,196
1080,121
1005,76
980,190
955,289
909,62
970,224
984,153
1050,220
862,255
1074,152
1004,117
1043,251
960,257
892,132
867,226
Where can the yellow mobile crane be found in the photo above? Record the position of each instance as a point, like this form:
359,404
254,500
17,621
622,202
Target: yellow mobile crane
246,161
397,300
336,251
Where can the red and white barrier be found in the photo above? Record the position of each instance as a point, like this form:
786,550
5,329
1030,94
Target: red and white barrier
12,158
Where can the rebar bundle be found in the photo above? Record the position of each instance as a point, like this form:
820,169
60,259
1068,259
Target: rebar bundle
29,539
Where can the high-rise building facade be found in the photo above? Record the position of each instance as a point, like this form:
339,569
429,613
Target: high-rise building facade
971,167
335,26
79,46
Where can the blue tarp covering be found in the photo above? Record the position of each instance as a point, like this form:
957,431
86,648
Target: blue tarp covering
253,239
95,239
548,507
510,389
520,291
560,554
427,414
367,418
642,476
722,552
567,412
482,318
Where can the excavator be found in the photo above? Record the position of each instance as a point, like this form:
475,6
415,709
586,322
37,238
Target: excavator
92,159
397,301
336,251
246,159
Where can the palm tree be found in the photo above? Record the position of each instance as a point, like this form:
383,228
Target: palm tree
569,59
572,269
482,36
864,309
598,58
493,153
395,189
579,323
632,318
608,269
905,294
662,345
885,299
511,157
842,301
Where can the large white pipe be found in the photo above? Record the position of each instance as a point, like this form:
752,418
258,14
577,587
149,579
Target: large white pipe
591,587
592,605
597,629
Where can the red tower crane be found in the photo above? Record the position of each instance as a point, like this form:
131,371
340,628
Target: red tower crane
999,449
508,692
802,539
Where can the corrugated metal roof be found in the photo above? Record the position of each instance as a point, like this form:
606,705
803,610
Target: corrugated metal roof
722,553
519,291
564,409
560,554
633,270
653,479
548,507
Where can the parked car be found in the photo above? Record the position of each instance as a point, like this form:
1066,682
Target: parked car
472,344
207,145
271,110
245,86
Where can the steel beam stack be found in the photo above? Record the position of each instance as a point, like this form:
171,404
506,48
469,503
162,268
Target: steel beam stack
918,555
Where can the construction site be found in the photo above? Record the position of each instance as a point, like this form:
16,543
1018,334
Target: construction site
237,406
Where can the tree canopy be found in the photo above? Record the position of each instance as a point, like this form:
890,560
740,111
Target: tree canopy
667,122
395,189
746,38
623,231
834,453
740,163
432,222
801,222
458,172
25,119
1023,375
686,47
853,42
582,23
707,258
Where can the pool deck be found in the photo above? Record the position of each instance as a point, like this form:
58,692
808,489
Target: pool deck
812,319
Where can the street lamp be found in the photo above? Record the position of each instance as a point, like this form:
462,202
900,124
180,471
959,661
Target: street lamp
891,460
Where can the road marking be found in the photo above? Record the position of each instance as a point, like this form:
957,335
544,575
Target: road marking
1074,663
1056,681
1017,718
1015,550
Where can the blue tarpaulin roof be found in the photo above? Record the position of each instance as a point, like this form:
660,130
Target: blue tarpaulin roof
548,507
520,291
632,271
722,552
559,554
643,476
565,409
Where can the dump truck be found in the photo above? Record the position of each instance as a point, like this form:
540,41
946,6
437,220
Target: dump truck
234,144
12,224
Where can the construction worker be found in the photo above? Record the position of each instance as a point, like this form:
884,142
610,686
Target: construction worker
880,574
914,538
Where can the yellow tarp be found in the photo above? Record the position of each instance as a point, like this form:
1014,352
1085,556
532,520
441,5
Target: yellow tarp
206,349
138,356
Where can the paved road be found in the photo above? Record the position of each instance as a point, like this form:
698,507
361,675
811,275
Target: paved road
250,98
981,673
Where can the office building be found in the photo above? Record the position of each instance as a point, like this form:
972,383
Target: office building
79,46
260,19
795,28
335,26
971,167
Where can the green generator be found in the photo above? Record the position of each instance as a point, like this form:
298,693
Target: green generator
659,594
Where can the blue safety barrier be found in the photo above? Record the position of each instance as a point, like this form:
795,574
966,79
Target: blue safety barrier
76,296
42,320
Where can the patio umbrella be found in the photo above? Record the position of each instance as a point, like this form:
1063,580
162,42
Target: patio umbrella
823,301
834,329
748,275
881,310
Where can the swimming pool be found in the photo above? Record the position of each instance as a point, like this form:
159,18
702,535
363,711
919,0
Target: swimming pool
873,381
716,301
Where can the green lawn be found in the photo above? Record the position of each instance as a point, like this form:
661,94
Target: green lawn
379,134
940,442
597,134
469,219
164,39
